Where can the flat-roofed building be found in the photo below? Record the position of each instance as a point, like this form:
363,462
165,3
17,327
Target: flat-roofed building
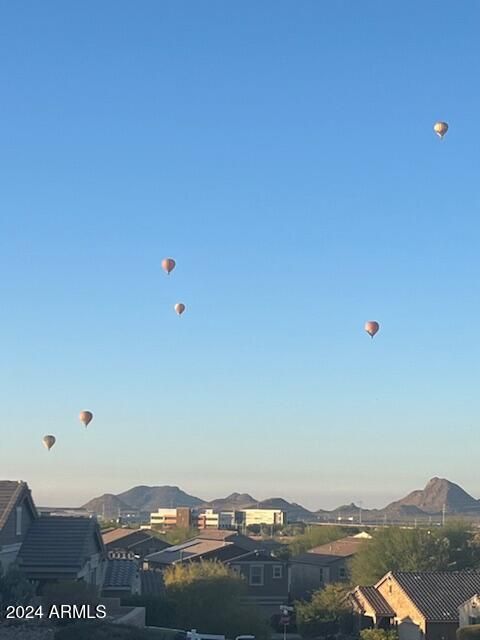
262,516
164,519
210,519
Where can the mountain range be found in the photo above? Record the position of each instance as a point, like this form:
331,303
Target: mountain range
437,496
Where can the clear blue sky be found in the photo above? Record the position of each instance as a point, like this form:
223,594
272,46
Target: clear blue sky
283,153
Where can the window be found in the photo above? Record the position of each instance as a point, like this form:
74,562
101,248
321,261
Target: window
320,573
277,571
18,521
256,575
342,573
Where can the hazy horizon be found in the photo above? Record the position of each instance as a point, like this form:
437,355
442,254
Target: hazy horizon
283,153
324,500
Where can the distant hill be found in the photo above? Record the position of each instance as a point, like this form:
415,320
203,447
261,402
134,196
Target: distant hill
108,506
419,504
231,503
142,499
150,499
438,492
295,512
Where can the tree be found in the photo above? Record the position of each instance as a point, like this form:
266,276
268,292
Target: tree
461,545
452,547
207,596
315,536
324,613
176,535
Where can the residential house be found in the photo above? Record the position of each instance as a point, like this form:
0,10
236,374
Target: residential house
17,512
323,564
193,551
469,611
123,543
372,607
63,548
266,577
425,605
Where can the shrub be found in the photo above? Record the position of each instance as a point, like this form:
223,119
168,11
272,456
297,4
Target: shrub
69,593
159,611
15,589
378,634
101,631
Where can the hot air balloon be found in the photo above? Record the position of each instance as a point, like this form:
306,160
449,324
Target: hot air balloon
168,265
372,327
86,417
49,441
179,308
440,128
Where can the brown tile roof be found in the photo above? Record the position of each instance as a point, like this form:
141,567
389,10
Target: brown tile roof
375,600
437,594
230,536
344,547
135,535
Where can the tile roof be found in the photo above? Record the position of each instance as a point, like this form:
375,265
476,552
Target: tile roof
320,560
135,535
10,493
437,594
229,536
59,542
255,556
344,547
120,574
196,549
152,582
375,599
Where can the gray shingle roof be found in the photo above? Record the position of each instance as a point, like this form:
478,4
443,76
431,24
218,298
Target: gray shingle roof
317,559
376,601
120,573
10,492
59,541
438,594
152,582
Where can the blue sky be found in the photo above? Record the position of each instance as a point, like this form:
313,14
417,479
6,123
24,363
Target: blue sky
283,153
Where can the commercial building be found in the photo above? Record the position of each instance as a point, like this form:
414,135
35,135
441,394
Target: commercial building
269,517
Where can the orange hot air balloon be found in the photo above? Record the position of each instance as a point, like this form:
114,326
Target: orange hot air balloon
440,128
179,308
86,417
372,327
49,441
168,265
